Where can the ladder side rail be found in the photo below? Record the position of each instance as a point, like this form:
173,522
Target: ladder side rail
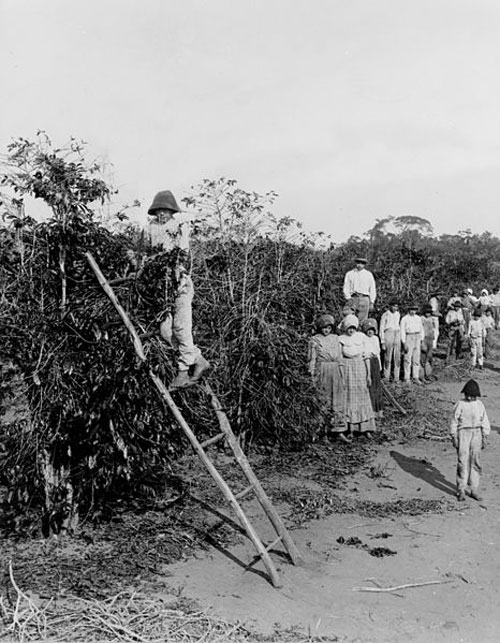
219,480
261,495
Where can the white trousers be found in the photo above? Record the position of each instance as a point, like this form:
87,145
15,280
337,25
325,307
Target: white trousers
469,465
411,358
476,349
180,333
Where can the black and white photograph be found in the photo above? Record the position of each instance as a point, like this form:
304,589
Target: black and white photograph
249,321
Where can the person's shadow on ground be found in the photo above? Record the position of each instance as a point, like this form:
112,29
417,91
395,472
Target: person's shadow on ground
425,471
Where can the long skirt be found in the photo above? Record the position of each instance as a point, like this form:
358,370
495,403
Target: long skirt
376,386
331,385
358,406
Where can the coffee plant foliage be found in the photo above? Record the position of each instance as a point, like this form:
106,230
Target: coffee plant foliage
260,281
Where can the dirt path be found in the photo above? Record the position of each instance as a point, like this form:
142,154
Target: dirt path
457,550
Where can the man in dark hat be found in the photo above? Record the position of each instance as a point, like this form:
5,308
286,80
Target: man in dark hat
359,288
169,232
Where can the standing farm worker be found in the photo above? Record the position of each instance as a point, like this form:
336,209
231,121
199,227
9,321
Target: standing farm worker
168,231
469,431
326,369
412,335
429,343
477,335
390,340
455,323
357,378
359,289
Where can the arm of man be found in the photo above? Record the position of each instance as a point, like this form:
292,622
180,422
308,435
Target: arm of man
348,286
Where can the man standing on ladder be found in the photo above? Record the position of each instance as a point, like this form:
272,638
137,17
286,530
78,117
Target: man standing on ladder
168,230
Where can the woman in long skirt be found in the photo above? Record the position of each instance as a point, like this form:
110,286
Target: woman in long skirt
326,369
357,378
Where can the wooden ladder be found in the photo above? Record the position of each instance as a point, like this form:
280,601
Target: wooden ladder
226,434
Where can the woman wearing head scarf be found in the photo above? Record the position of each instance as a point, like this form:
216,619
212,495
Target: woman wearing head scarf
357,378
325,367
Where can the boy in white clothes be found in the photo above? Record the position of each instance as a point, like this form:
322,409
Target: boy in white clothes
477,335
469,430
412,334
390,340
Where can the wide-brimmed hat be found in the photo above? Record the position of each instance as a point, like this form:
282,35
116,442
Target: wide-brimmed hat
471,389
164,200
413,306
360,259
325,320
350,321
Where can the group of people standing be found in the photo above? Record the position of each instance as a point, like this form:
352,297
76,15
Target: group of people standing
348,360
472,318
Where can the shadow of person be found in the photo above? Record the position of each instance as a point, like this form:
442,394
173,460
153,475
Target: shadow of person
425,471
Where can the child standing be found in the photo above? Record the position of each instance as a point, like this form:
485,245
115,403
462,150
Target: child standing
488,323
390,338
455,324
372,343
429,342
470,428
325,367
412,334
477,335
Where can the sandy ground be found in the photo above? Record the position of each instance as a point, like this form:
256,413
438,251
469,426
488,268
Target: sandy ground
456,551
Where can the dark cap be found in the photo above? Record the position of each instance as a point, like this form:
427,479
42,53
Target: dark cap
361,260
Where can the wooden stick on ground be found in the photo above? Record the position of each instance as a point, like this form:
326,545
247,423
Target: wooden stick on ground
398,587
392,399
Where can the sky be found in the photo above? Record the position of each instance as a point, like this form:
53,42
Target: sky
351,110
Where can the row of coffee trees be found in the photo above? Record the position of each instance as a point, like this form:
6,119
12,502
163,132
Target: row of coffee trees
93,428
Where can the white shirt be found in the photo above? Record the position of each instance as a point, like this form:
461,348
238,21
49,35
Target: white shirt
361,282
172,234
469,415
411,324
389,321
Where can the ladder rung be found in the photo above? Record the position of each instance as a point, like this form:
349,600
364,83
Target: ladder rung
213,440
266,549
275,542
244,492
